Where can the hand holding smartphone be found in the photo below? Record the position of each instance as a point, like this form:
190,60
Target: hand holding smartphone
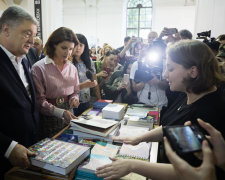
126,78
171,31
184,139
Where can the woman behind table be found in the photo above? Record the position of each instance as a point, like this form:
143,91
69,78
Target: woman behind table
116,88
83,62
193,70
105,68
57,83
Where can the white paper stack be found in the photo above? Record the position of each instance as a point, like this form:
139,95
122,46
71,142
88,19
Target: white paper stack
113,111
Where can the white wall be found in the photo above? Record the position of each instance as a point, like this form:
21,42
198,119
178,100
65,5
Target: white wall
210,15
99,20
105,20
173,15
52,14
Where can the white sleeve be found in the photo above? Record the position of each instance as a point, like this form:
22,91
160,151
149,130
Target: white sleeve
10,148
134,68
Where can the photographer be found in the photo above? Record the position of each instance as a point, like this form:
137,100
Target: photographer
152,36
130,45
146,77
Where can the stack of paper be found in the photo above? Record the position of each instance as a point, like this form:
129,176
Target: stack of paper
113,111
140,112
82,135
94,125
136,121
130,131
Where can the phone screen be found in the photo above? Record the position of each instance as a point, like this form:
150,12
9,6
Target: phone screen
126,78
172,30
185,138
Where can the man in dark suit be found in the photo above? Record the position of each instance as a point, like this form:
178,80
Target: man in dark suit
19,115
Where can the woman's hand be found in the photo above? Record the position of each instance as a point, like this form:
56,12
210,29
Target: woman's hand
153,81
217,141
67,115
118,168
128,140
74,103
90,84
185,172
102,74
121,86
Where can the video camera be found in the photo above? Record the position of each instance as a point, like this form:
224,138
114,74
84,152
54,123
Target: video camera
203,35
211,42
151,62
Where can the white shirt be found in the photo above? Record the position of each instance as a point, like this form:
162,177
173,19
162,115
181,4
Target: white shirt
19,68
158,96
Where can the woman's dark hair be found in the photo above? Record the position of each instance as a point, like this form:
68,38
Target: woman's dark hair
190,53
59,35
85,56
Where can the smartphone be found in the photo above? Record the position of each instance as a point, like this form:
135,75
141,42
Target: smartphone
126,78
184,139
172,31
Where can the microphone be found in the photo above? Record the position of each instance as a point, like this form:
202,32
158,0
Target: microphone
90,75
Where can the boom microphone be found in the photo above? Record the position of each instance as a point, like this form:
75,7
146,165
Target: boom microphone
90,75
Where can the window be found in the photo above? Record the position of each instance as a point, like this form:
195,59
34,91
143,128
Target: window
139,18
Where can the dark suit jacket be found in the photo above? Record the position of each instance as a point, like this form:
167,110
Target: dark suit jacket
18,112
32,56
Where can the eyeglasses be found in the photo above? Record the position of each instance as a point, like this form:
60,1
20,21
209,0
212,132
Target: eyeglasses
28,34
36,43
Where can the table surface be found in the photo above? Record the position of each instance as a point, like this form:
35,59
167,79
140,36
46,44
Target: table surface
14,175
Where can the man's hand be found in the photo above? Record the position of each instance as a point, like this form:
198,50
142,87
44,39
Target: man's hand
19,156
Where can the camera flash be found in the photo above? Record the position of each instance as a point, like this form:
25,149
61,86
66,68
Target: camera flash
153,56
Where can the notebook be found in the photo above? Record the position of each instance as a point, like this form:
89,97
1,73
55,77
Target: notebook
140,151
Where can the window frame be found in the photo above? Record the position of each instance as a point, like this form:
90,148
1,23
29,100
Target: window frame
138,28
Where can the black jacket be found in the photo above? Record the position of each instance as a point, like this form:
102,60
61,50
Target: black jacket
19,114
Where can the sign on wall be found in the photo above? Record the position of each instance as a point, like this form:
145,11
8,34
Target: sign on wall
38,15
